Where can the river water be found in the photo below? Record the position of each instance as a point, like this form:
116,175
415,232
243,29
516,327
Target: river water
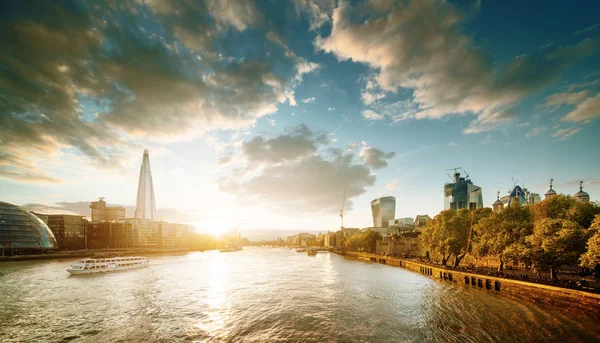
265,295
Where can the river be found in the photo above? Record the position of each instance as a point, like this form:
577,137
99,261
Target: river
265,295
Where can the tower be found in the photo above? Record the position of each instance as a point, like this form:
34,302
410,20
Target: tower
145,207
551,192
581,195
498,204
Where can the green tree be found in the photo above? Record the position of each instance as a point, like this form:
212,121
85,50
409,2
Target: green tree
566,207
591,258
504,234
557,242
448,233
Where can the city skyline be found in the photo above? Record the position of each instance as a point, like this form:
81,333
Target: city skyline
269,113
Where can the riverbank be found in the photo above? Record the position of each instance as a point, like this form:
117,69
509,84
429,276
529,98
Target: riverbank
568,299
90,253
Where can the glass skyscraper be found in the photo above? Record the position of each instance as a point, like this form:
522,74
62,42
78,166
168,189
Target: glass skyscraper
384,210
462,193
145,207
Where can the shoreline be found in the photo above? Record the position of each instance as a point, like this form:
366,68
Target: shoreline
91,253
565,298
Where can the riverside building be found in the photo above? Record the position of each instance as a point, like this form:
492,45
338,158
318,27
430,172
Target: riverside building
21,232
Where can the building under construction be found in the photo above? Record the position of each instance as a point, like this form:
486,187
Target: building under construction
462,193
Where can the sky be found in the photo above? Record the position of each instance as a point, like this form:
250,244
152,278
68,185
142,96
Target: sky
259,114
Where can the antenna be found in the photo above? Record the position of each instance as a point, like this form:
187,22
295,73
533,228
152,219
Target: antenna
343,206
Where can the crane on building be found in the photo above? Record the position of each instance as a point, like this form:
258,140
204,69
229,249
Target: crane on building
455,171
343,205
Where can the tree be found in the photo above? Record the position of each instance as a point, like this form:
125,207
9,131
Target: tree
365,241
557,242
566,207
448,232
503,234
591,258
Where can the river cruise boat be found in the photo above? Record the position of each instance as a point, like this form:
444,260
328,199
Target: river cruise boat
99,265
311,252
230,248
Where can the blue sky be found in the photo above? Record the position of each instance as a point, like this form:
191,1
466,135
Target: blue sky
259,114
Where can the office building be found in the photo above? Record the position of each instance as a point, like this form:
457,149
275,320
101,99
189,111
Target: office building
401,222
384,210
421,220
145,206
21,232
69,230
462,193
102,212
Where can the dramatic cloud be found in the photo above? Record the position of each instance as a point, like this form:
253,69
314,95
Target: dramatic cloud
563,134
319,11
586,110
419,45
298,171
94,78
298,143
374,157
392,185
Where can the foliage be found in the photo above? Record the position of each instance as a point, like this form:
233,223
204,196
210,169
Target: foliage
566,207
365,241
557,242
448,232
503,234
591,258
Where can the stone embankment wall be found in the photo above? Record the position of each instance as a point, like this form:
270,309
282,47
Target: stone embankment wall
569,299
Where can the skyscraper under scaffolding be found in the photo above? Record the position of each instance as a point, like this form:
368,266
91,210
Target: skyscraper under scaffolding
145,207
462,193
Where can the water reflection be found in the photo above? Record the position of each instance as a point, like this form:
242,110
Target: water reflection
259,295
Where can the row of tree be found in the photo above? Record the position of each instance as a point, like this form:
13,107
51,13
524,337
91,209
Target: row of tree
364,241
557,232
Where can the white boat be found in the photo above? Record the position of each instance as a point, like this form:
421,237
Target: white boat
98,265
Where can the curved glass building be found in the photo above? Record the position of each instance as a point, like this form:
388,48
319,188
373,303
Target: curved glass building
384,210
22,232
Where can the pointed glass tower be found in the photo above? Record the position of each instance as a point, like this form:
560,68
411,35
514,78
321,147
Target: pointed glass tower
145,208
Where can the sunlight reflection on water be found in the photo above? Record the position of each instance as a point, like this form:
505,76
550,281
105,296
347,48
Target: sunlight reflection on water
263,294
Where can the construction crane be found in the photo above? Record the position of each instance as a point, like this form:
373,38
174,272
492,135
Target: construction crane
455,171
343,205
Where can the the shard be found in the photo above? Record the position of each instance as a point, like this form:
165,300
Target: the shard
145,207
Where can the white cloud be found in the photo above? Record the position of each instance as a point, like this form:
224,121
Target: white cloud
563,134
392,185
330,109
371,115
535,131
374,157
309,100
570,98
587,110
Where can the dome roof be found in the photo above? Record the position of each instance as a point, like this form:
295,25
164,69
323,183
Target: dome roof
21,229
581,194
551,192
